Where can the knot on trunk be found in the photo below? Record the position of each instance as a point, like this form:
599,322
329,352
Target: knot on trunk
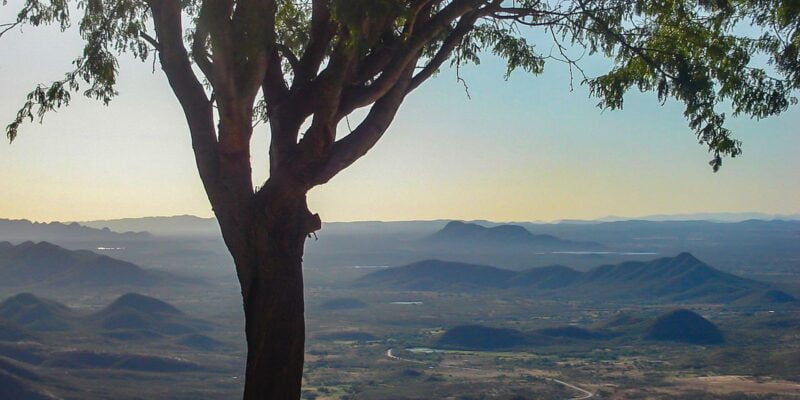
313,223
282,205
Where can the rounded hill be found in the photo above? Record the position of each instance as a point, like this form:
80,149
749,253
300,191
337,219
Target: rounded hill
684,326
34,313
142,303
478,337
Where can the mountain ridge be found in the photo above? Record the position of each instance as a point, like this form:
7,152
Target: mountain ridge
682,278
22,229
176,225
459,233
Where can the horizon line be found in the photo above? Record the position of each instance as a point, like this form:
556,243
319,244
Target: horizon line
609,218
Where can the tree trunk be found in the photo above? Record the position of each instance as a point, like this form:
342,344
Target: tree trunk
273,295
275,329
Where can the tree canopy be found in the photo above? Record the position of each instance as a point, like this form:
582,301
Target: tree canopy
346,54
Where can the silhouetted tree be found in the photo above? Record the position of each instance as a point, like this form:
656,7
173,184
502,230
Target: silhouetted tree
304,66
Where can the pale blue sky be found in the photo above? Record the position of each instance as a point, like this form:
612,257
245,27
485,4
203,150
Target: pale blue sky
523,149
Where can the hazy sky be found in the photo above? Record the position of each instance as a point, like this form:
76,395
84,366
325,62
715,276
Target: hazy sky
523,149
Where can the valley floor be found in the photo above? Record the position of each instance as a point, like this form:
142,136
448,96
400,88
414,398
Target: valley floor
368,343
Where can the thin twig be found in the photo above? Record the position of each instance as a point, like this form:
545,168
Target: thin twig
150,39
7,27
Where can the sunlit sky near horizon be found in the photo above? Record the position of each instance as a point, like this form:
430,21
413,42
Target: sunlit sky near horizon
523,149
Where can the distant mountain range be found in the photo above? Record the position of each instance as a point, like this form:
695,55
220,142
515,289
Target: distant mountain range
179,225
750,247
23,230
469,235
683,278
44,264
190,225
706,216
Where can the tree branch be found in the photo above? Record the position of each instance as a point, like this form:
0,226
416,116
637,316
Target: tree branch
147,38
320,36
363,95
350,148
187,88
288,55
199,43
464,26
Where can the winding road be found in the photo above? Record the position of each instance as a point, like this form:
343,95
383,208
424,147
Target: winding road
394,357
585,394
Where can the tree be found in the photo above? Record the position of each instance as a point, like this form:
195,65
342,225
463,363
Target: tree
304,66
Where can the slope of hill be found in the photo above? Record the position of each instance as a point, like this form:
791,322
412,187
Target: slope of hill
435,275
141,303
684,326
622,322
459,234
11,332
22,229
77,359
766,297
342,304
19,383
680,278
200,342
683,278
33,313
45,264
553,277
13,387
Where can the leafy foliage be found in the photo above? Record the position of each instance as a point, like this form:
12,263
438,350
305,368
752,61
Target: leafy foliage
706,54
108,27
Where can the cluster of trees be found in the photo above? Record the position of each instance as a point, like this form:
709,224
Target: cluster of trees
304,66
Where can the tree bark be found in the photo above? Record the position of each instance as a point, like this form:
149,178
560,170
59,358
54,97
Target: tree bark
275,330
273,293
